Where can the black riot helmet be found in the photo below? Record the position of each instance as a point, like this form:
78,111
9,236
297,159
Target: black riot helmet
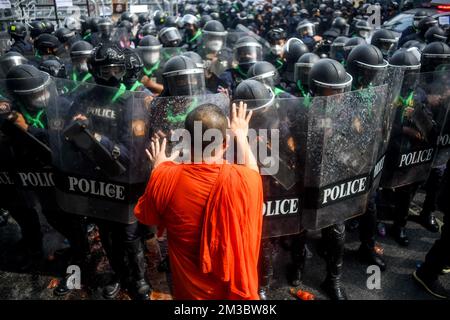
159,18
54,67
134,67
306,28
10,60
194,56
363,29
260,99
303,67
94,21
204,19
150,49
36,28
85,24
414,43
49,26
276,34
409,62
328,77
419,15
247,51
434,55
214,35
293,50
264,72
170,37
46,44
64,34
341,24
126,25
17,30
366,65
435,33
143,18
337,48
351,43
182,77
171,21
30,86
146,30
384,40
425,24
130,17
108,64
80,53
105,27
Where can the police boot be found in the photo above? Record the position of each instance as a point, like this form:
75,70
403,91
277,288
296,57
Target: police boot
298,252
428,221
334,259
117,261
266,272
137,286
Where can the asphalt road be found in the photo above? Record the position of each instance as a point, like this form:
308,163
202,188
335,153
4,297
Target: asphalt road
396,282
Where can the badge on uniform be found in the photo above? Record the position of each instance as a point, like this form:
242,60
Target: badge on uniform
138,127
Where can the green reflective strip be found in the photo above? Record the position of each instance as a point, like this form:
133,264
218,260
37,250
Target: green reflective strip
198,34
119,93
238,69
302,90
182,116
74,77
149,72
88,36
277,91
406,103
37,55
136,85
279,63
33,121
86,77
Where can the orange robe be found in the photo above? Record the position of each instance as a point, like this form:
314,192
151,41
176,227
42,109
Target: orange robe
213,217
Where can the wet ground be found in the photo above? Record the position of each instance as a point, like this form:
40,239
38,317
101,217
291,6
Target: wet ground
396,281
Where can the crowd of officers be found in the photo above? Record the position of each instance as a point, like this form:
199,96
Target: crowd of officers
297,51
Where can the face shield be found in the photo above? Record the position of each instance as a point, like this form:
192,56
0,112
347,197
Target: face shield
329,89
37,98
432,62
301,72
337,52
214,40
248,53
110,75
270,79
185,82
150,55
105,29
387,47
308,29
80,64
170,37
371,75
8,63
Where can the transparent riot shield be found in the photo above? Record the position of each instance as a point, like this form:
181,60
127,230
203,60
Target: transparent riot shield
277,135
170,52
393,81
24,131
339,156
420,112
98,146
440,104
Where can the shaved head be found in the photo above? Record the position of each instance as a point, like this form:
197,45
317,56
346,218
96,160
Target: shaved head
210,116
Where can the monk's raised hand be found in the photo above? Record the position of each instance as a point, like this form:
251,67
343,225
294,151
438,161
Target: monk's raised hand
157,152
240,119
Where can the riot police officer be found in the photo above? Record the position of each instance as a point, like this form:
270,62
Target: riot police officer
301,74
277,38
150,50
292,51
337,50
307,33
411,30
192,32
366,65
169,37
9,60
384,40
18,33
266,73
328,77
247,51
80,52
110,113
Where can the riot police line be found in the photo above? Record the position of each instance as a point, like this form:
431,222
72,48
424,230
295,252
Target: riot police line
76,145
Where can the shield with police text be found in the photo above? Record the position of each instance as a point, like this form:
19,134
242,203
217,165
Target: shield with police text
420,110
340,154
277,135
98,146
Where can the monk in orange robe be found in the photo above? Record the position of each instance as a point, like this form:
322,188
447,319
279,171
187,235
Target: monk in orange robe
212,211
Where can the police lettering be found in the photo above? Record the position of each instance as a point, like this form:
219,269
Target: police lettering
280,207
36,179
97,188
102,112
344,190
379,166
5,179
444,140
416,157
